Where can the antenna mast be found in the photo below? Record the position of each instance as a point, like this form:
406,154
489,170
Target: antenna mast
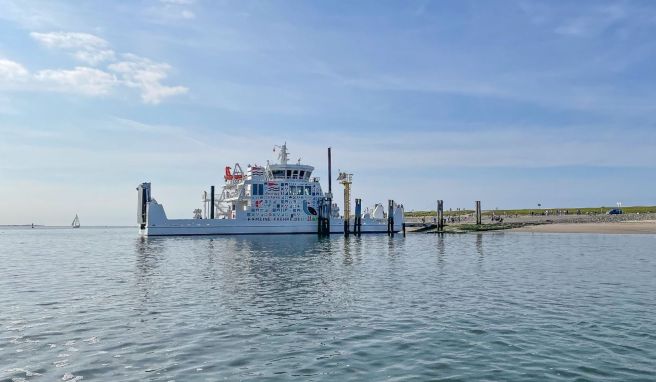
283,156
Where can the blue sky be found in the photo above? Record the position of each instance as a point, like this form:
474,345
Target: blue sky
508,102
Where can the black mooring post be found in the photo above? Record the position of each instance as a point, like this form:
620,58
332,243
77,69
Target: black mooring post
357,224
330,192
320,219
390,217
326,220
324,225
211,202
330,175
440,215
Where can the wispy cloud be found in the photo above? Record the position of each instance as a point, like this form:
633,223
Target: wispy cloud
131,71
34,14
70,40
147,76
84,47
172,10
83,80
12,71
593,22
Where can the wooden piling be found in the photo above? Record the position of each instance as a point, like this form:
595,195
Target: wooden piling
478,212
440,215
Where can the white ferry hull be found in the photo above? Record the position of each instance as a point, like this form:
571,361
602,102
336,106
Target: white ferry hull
212,229
159,225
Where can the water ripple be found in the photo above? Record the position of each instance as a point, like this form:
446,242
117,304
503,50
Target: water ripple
94,304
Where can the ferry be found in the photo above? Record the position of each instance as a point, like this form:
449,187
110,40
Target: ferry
279,198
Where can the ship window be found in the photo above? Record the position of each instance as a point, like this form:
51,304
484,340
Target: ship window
289,173
278,173
299,190
308,190
261,189
292,190
301,174
295,174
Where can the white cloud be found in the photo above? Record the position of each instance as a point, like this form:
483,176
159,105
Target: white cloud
83,46
146,75
94,57
187,14
131,71
81,79
11,70
36,14
71,40
578,21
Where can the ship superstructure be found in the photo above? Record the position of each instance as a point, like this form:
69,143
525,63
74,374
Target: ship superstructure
278,198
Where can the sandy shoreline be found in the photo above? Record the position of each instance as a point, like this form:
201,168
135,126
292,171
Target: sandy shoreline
631,227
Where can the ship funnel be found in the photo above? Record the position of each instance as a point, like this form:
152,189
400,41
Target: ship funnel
143,192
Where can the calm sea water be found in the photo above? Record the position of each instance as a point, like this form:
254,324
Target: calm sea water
107,305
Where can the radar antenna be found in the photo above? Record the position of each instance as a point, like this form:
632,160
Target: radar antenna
283,155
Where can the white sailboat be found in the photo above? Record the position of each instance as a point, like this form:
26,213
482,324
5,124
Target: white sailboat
76,222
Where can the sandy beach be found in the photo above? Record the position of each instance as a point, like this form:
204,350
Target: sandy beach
629,227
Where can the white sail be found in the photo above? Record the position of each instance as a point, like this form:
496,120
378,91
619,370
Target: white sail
76,222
